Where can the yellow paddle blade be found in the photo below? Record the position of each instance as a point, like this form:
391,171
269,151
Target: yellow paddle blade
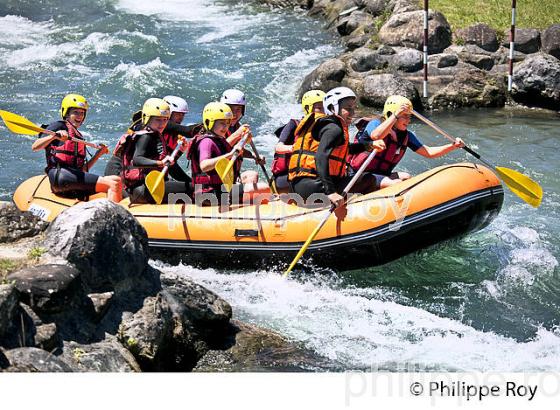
224,168
154,183
18,124
522,186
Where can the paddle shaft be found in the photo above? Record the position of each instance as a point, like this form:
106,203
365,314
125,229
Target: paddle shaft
165,169
258,158
77,140
331,210
450,138
236,154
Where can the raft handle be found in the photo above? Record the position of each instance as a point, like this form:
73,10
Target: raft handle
246,233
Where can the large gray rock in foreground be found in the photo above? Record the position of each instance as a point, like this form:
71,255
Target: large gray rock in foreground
536,81
48,288
15,224
102,240
406,29
105,356
31,359
175,328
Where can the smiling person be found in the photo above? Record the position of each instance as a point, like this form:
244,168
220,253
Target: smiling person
146,150
67,164
318,162
393,130
207,149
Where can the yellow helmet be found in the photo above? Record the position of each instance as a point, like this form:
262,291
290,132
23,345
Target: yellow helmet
154,107
72,101
393,102
215,111
311,97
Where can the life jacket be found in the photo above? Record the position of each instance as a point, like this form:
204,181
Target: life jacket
126,146
385,161
70,154
209,181
281,162
302,162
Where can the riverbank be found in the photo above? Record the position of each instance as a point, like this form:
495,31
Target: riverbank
80,296
467,67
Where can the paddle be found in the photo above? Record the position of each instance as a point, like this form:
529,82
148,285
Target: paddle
154,180
224,167
520,184
271,183
331,210
21,125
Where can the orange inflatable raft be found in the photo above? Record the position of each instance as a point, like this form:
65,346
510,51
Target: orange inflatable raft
434,206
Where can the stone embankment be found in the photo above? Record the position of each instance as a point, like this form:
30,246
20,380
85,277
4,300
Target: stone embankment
81,296
467,68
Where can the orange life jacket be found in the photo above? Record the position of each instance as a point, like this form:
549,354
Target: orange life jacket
302,162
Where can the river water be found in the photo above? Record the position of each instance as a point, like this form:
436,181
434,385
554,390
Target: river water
489,301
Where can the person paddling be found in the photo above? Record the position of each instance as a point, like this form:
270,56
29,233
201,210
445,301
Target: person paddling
207,149
393,130
67,164
318,163
312,101
146,150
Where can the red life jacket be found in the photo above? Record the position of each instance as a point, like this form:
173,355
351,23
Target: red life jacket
69,154
385,161
126,146
209,181
281,162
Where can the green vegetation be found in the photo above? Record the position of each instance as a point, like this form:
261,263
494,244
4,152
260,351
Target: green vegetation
6,266
538,14
36,253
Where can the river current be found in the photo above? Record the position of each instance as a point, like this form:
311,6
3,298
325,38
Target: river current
488,301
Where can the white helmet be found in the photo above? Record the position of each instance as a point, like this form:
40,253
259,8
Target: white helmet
234,97
333,97
177,104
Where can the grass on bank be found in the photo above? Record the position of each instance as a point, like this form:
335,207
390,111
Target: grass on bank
538,14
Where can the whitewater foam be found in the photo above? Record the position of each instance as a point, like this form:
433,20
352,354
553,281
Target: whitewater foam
360,331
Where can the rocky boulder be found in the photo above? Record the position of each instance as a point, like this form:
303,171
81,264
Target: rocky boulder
536,81
353,22
15,224
32,359
8,307
253,349
481,35
175,328
328,75
551,40
104,242
365,59
471,88
443,60
527,40
49,288
406,30
377,87
373,7
407,60
105,356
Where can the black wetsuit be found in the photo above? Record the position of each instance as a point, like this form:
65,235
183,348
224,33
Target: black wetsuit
148,146
330,135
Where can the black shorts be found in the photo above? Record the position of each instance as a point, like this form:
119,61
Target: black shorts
72,182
